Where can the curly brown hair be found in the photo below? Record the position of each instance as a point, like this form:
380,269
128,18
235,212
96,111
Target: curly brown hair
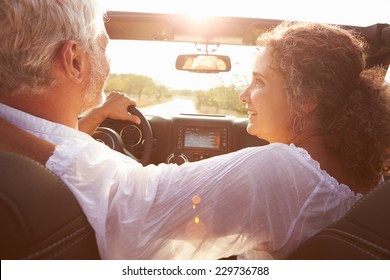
325,63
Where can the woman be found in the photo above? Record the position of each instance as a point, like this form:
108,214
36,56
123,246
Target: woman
310,89
265,199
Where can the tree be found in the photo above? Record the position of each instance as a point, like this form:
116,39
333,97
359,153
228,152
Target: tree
138,86
221,100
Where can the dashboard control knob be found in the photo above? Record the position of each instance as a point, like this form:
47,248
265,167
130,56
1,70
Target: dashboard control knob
177,158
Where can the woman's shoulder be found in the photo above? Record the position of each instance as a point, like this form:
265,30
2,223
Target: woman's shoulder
278,150
290,158
273,156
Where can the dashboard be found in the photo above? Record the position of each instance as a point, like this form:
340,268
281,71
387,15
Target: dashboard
187,137
199,137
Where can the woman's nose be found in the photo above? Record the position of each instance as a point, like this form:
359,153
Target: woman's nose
244,95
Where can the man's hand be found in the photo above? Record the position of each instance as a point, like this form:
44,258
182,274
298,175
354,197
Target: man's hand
115,107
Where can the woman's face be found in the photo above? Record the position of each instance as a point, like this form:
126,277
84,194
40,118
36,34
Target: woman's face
266,103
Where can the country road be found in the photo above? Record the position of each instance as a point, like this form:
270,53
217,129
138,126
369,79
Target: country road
178,105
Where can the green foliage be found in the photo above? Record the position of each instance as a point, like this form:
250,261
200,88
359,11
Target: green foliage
221,100
138,86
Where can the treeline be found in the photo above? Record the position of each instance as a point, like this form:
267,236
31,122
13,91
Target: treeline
142,88
219,100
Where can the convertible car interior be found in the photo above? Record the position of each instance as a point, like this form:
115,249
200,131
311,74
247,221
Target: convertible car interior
40,218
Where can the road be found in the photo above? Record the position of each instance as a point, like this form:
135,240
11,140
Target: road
176,106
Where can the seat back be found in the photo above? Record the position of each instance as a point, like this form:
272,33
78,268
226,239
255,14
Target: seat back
364,232
39,217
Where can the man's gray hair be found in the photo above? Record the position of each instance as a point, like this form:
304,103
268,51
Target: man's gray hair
33,31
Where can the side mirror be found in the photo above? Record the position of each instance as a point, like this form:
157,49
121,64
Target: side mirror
203,63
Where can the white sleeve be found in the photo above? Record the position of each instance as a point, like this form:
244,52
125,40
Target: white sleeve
248,200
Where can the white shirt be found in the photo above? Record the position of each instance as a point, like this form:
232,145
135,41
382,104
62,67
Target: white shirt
269,199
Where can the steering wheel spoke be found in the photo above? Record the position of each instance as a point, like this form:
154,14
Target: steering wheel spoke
114,140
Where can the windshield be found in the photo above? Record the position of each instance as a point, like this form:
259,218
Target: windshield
146,71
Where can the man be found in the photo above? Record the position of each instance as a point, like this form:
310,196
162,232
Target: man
53,66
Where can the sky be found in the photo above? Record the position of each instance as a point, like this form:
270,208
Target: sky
126,56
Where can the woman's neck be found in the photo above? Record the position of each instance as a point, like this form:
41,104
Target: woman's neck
314,143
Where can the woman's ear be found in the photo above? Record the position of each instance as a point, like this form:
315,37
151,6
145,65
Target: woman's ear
72,59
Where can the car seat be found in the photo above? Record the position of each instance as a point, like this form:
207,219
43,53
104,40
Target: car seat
39,217
364,232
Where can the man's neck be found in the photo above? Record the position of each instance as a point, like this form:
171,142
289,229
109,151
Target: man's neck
47,107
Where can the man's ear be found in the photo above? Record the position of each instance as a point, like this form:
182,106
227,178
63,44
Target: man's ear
72,59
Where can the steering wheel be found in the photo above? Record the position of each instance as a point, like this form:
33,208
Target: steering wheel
112,139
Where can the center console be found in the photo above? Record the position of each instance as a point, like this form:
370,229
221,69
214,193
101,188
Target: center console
195,139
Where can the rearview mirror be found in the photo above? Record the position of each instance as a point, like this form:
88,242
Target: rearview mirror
203,63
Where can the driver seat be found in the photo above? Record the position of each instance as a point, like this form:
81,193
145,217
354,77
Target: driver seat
39,216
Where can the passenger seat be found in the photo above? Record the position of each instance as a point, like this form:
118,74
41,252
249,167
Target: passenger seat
363,234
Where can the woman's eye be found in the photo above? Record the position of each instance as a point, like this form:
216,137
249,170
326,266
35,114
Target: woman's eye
258,83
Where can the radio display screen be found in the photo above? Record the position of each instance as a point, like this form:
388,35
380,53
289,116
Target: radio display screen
208,138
